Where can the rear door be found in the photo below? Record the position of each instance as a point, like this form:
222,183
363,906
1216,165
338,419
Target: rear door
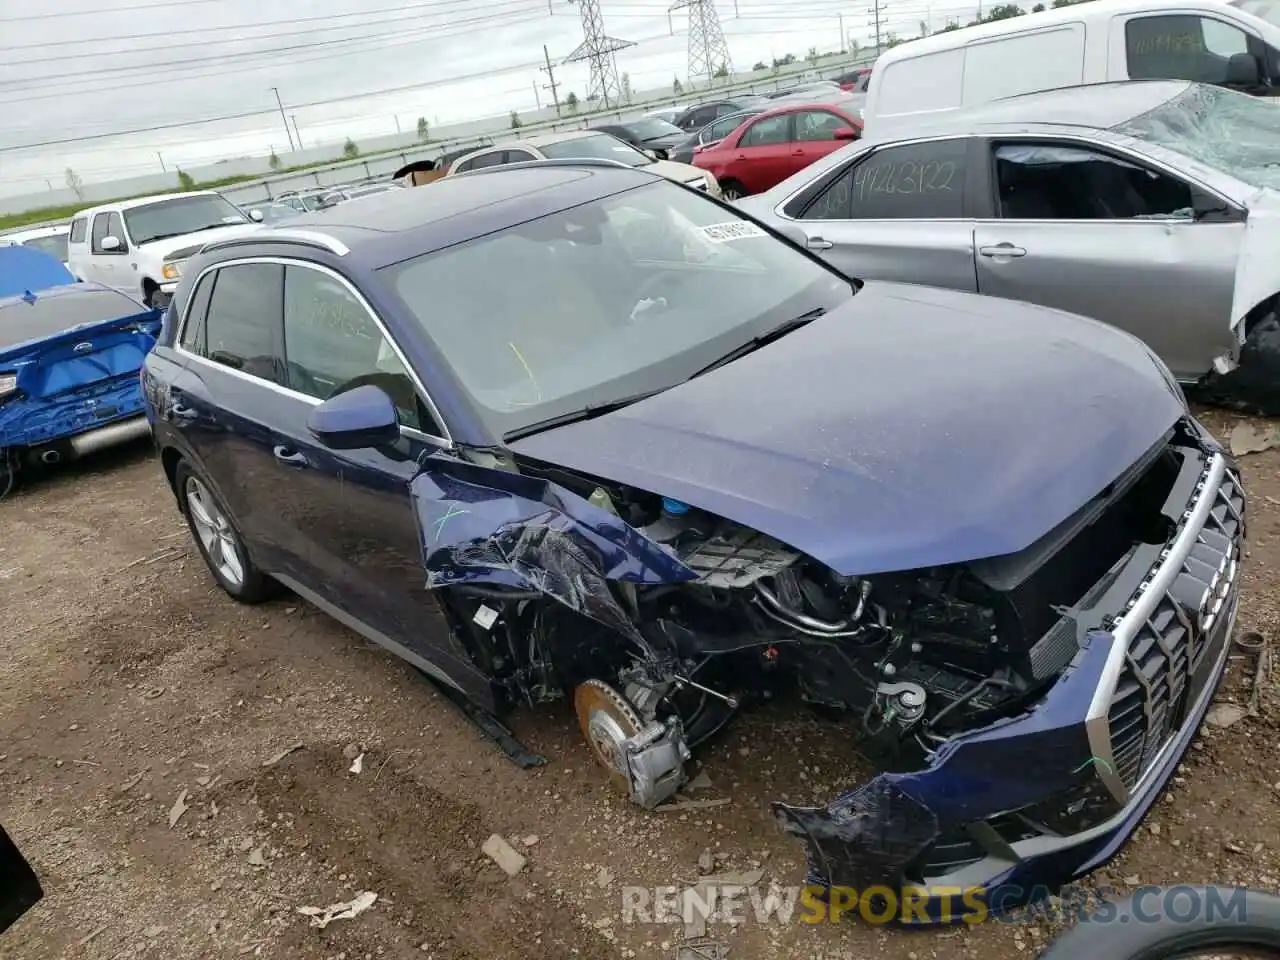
1085,229
895,213
762,156
225,403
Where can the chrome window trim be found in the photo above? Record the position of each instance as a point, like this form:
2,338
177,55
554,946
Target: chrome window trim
445,441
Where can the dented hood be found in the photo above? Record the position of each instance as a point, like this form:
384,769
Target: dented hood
911,427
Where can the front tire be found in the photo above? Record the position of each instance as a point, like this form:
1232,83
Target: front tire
731,190
218,541
1254,386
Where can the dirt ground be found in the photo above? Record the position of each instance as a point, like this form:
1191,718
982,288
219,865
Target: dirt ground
128,682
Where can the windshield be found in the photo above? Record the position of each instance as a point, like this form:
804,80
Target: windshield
653,128
54,246
601,146
1267,10
181,215
1231,132
625,295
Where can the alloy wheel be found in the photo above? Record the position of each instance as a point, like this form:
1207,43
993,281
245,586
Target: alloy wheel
221,545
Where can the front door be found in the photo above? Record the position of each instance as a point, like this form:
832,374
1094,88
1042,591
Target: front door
355,526
1086,231
762,156
814,136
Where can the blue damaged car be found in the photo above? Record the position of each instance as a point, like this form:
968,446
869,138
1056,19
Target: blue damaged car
566,430
70,355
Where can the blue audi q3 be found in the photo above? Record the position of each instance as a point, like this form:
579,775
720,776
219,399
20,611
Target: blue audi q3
567,430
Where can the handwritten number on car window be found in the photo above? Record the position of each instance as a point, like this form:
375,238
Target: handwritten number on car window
905,178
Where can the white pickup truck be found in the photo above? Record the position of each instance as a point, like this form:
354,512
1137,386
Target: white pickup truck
139,246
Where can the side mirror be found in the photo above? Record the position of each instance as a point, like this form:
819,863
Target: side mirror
1243,71
255,215
844,133
110,244
358,419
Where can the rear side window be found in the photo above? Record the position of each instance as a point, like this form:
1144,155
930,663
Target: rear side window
193,340
243,318
519,156
491,159
78,227
923,181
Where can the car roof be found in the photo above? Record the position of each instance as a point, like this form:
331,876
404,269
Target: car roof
385,228
1070,13
1096,106
797,105
142,201
31,233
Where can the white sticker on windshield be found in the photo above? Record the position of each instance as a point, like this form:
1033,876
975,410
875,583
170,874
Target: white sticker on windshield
734,230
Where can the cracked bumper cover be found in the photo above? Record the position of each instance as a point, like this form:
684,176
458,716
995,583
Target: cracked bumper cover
974,822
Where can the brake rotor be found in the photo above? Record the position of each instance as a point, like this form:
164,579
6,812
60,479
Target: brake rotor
606,719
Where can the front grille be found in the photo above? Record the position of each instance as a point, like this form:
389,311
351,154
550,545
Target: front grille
1166,654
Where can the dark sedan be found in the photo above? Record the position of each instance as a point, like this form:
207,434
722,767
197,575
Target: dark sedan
699,115
711,134
656,136
572,431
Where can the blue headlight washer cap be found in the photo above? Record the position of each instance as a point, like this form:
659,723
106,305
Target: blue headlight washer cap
674,507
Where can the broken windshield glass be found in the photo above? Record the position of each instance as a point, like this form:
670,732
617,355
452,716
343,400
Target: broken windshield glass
1231,132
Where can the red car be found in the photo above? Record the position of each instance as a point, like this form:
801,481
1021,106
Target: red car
773,145
855,81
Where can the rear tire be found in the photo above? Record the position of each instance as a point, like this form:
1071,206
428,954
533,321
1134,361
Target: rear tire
731,190
217,539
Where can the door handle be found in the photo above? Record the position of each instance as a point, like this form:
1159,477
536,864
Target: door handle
817,243
1003,250
797,153
742,156
290,456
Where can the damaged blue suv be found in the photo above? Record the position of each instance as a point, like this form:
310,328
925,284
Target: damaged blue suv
569,430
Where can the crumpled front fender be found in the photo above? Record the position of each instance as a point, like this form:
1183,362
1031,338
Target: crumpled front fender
490,527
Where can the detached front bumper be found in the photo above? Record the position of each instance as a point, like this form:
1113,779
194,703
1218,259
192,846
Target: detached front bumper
1005,815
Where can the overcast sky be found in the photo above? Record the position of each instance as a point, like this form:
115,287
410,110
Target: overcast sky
80,68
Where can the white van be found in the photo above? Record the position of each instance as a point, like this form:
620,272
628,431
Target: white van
140,246
1235,44
50,240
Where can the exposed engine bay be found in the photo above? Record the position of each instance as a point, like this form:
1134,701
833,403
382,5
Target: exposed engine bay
904,660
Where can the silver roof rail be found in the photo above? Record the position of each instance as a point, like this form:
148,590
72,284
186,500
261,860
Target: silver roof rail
310,238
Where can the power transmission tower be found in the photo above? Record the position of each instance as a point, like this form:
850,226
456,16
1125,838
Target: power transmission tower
875,12
598,49
551,79
708,51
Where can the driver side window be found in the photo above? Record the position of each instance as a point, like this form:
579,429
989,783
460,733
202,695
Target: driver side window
332,344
